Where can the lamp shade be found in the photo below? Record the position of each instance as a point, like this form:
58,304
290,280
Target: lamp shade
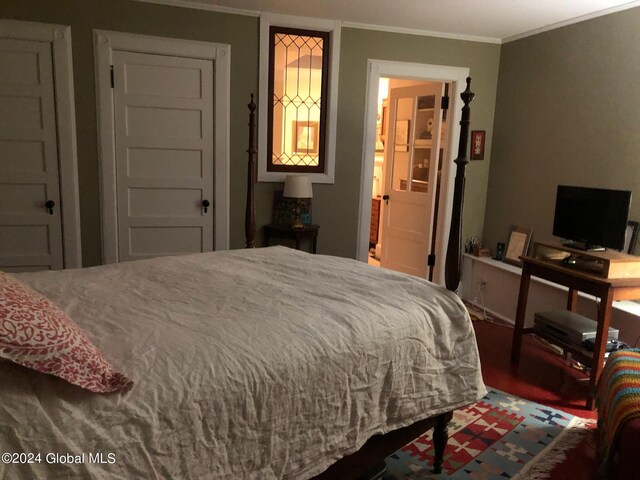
297,186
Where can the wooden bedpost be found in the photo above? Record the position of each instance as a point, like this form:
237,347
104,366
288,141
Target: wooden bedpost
454,254
250,212
440,438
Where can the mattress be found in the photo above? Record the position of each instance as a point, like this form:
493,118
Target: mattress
248,364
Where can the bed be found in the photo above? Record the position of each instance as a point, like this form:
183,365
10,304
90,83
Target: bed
258,363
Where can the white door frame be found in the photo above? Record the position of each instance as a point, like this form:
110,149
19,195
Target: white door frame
59,36
456,76
104,44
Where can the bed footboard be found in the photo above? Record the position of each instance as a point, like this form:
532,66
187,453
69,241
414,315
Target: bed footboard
381,446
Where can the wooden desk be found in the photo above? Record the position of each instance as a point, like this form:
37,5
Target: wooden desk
284,230
606,289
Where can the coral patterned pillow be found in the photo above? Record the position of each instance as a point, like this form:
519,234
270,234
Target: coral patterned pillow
36,333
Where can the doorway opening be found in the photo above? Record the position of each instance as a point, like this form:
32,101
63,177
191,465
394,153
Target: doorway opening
411,137
407,181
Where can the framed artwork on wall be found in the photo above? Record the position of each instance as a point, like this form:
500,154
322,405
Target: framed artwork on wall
477,144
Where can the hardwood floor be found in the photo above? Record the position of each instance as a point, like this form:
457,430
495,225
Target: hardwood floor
543,377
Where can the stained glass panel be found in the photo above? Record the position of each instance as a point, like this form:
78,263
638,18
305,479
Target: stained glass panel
298,78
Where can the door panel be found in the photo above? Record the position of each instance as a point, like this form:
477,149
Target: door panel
25,239
18,199
177,81
158,202
414,120
20,157
30,237
175,240
25,112
159,163
163,122
163,107
408,218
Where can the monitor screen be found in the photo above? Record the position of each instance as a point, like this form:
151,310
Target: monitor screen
595,217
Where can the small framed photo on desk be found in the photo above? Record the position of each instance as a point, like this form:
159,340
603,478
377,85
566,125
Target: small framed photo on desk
518,244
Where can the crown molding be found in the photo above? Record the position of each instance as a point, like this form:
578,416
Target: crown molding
571,21
203,6
424,33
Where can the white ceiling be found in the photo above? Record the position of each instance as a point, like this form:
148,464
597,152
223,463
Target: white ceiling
488,20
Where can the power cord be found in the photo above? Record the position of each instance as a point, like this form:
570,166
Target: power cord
484,309
474,303
480,305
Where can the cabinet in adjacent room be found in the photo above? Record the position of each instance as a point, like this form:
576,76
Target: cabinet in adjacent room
375,222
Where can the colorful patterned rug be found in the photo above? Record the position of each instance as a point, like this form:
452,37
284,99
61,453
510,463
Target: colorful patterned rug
499,437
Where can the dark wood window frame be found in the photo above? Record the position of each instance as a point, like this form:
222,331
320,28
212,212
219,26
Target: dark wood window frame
324,94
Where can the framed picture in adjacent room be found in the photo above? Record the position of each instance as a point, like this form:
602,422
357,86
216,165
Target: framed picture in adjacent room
517,244
402,136
305,137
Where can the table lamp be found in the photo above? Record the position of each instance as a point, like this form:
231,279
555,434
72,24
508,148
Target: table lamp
298,187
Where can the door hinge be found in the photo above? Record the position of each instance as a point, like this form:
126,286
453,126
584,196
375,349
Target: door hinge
431,260
113,80
444,103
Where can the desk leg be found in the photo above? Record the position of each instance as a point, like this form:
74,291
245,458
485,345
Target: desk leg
266,237
572,300
602,334
314,243
516,346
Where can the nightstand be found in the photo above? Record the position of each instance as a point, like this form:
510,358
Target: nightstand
284,230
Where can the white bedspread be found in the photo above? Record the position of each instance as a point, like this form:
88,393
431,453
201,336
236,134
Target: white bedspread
259,364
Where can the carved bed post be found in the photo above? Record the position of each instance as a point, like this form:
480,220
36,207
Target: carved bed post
250,212
440,438
452,265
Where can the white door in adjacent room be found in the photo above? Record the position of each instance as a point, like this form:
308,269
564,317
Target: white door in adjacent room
413,155
30,209
163,123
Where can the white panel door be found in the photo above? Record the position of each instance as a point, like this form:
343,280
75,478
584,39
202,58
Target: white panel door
30,232
411,172
163,108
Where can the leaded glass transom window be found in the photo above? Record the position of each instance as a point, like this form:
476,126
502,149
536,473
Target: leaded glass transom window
298,66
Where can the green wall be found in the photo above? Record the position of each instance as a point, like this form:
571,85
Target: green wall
335,207
567,112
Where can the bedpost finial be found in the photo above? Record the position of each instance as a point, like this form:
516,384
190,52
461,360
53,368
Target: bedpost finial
252,105
467,95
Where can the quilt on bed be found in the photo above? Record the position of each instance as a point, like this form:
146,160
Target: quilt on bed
259,364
